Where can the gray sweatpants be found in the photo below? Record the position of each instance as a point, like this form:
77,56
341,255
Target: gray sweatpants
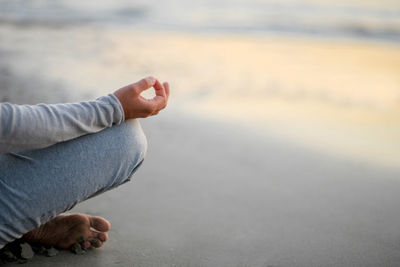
37,185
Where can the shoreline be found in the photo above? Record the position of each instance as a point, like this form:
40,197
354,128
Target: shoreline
212,192
339,97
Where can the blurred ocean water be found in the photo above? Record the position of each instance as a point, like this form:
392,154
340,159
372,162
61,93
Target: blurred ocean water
369,19
338,90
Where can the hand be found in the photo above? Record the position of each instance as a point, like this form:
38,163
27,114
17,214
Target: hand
136,106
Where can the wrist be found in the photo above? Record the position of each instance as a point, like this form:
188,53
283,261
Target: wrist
121,105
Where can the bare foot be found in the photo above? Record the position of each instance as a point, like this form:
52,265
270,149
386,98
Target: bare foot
67,229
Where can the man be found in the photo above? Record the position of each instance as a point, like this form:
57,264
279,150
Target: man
55,156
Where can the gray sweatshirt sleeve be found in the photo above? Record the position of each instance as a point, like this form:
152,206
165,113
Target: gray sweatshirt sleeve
25,127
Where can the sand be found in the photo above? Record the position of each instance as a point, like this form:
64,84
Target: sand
213,191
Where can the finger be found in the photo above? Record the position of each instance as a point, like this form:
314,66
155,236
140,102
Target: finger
144,84
154,105
160,90
166,86
160,100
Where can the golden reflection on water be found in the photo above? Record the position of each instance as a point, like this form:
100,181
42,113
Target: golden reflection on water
337,96
342,98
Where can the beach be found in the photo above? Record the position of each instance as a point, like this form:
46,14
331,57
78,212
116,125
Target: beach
274,150
340,97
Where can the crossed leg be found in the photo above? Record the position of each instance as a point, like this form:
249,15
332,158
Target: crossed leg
36,186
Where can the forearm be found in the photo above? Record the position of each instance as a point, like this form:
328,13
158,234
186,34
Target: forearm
25,127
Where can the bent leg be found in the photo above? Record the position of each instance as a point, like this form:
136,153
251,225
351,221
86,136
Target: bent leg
37,185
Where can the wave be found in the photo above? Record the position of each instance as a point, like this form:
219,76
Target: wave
252,16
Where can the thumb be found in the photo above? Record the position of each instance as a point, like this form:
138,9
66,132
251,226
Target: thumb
144,84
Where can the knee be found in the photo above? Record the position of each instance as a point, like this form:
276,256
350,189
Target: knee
127,146
134,142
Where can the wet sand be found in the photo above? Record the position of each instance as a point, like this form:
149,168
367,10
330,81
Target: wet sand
221,194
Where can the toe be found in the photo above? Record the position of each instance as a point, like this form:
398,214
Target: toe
95,242
102,236
86,244
99,224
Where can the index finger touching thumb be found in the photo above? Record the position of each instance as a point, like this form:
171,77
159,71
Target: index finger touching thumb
144,84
